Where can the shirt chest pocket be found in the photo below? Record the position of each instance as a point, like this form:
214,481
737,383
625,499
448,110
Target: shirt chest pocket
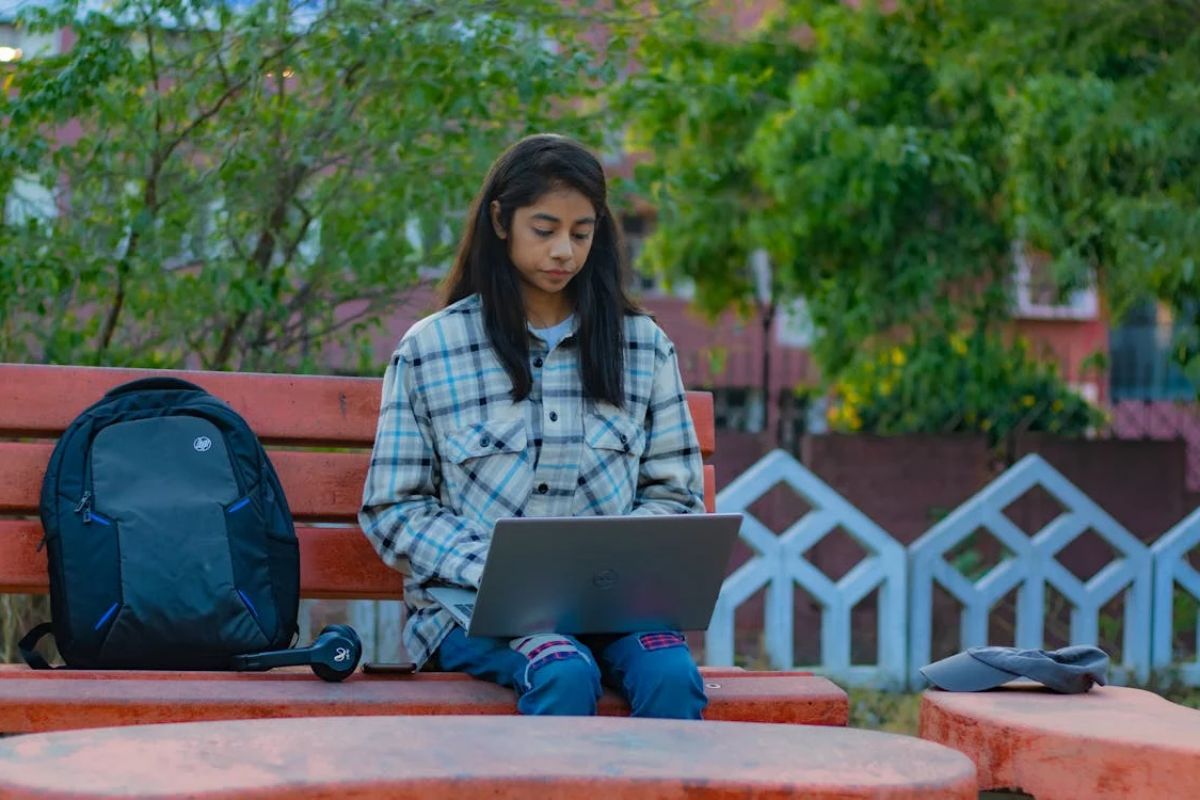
487,468
614,442
616,431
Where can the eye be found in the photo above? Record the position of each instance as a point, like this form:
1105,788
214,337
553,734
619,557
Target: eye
582,237
543,233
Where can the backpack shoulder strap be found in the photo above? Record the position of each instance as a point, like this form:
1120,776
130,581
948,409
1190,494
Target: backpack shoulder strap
29,641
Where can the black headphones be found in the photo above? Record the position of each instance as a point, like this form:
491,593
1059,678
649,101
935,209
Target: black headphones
333,656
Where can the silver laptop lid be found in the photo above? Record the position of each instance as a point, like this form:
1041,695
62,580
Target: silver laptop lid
586,575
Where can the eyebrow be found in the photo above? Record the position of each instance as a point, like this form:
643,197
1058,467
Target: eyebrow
551,218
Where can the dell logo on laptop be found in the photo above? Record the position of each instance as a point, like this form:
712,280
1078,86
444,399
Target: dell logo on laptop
605,579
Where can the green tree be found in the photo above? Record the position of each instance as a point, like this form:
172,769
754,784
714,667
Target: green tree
1100,104
892,165
693,106
242,187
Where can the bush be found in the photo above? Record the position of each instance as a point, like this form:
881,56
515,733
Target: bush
956,384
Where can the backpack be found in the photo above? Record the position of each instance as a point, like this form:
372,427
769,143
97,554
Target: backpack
169,539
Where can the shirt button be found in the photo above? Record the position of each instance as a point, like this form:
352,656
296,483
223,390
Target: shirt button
554,416
624,439
543,488
537,362
581,480
485,442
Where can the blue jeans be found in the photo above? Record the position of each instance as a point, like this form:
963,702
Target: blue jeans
561,675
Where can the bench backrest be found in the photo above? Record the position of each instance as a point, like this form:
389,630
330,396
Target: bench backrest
318,431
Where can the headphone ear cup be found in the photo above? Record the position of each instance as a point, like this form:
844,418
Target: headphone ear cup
338,652
346,631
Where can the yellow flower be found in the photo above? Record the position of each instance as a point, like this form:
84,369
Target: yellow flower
885,387
1057,405
1028,400
958,344
898,357
834,415
853,421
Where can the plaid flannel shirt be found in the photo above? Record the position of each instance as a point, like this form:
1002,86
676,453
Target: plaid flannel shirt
453,453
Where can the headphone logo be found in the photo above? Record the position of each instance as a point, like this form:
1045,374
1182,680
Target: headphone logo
342,654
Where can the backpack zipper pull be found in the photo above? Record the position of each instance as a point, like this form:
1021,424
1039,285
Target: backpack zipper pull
85,507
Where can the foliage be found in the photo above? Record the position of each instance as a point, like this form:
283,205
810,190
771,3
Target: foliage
1102,146
840,166
251,185
19,613
888,159
693,106
952,384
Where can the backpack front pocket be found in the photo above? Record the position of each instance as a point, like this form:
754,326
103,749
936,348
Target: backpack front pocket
164,484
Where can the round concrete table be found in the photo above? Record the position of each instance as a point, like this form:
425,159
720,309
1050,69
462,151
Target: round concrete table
1113,743
500,757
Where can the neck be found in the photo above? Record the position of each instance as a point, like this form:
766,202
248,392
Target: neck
548,313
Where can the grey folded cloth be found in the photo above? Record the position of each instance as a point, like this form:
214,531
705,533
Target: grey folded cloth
1070,670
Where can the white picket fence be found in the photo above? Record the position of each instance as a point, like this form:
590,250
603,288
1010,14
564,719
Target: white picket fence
1146,578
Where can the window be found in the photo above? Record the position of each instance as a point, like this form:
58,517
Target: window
1037,294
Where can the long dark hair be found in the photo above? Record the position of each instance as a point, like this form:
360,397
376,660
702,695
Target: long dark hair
523,173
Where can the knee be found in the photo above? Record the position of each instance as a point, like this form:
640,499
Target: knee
564,686
667,688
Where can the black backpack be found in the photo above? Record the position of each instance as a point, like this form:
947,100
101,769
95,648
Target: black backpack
169,539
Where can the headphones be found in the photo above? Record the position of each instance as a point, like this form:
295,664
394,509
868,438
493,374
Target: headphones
333,656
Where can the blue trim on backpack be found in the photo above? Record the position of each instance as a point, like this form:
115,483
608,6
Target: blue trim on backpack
94,517
249,605
107,614
239,504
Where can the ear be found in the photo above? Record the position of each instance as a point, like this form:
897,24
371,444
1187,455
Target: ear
494,209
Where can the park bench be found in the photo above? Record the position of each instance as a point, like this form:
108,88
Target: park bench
1113,743
318,431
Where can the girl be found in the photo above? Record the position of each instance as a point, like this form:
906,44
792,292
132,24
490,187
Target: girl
540,389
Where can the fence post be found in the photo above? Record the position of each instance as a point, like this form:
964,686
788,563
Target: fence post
779,565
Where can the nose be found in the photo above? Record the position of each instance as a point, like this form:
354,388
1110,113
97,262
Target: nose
560,247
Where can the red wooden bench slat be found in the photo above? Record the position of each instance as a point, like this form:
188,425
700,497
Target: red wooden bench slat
497,757
40,401
324,486
43,701
318,486
1113,743
334,563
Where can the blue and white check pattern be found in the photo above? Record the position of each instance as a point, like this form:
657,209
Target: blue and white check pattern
453,453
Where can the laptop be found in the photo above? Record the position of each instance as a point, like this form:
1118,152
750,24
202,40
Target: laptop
593,575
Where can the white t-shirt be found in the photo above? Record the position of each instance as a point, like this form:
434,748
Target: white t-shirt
555,333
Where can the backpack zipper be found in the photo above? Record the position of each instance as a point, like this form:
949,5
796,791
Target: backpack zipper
84,507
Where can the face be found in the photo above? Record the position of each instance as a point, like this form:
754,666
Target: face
548,242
